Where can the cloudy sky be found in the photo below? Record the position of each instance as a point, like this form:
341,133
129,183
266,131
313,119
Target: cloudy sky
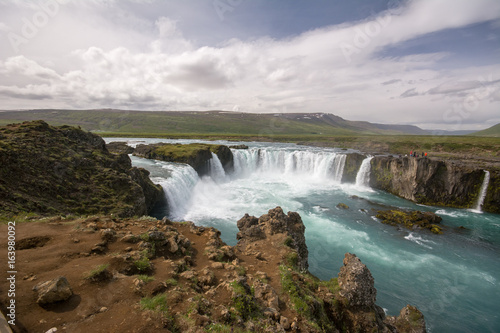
432,63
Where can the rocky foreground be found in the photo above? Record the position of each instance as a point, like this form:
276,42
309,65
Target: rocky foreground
107,274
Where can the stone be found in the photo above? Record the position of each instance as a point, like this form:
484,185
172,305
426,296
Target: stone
342,206
129,239
52,291
172,245
108,235
285,322
356,283
410,320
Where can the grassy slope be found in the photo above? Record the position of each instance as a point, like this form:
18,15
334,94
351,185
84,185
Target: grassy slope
493,131
329,131
120,121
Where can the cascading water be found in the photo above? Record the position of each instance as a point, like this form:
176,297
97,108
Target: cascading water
319,165
455,277
363,176
178,188
483,191
216,170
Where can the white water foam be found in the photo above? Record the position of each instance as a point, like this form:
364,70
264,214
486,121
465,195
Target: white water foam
216,170
482,193
178,188
319,165
363,176
419,240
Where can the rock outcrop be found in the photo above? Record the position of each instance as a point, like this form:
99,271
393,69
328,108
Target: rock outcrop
63,170
352,164
196,155
153,275
280,228
431,181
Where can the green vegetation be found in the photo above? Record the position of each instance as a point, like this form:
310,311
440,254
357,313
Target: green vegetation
244,302
51,171
171,282
145,278
156,303
301,290
493,131
424,220
143,264
327,130
96,272
220,328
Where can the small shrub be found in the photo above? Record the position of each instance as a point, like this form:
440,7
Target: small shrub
156,303
145,278
289,241
143,264
171,282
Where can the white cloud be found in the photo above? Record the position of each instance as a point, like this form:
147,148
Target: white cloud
153,66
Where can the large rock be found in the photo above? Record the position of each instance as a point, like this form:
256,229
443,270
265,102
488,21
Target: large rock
356,283
64,170
289,227
52,291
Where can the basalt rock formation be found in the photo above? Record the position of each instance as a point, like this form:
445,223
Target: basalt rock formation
352,164
50,170
434,182
196,155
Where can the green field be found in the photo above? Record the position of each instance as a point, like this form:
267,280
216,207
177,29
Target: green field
319,130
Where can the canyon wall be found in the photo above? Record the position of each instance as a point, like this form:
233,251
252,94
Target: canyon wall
434,182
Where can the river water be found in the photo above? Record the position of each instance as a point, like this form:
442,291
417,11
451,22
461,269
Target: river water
452,278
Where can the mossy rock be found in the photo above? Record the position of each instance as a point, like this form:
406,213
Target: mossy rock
342,206
411,219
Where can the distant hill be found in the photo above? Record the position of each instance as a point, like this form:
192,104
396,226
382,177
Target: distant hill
208,122
493,131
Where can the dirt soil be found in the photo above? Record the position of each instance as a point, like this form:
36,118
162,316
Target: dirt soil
53,247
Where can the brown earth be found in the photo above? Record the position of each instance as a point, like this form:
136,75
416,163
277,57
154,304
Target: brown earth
200,283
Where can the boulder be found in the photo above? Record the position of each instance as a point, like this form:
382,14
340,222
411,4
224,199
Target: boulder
52,291
356,283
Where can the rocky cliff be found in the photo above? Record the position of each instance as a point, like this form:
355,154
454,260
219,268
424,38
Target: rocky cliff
143,275
433,182
352,164
196,155
63,170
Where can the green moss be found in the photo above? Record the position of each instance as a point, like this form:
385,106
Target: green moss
244,302
96,272
301,290
145,278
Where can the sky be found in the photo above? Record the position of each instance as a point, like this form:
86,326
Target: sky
430,63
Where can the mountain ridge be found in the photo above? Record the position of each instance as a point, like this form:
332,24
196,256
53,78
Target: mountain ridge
181,122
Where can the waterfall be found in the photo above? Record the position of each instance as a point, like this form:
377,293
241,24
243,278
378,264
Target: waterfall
483,191
363,176
319,165
216,170
178,188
